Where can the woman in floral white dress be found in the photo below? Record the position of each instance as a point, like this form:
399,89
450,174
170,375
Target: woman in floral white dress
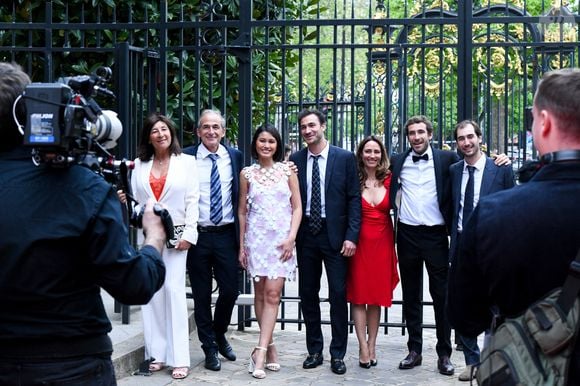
270,211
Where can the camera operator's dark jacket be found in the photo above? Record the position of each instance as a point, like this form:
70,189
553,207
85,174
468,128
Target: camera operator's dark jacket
517,246
62,237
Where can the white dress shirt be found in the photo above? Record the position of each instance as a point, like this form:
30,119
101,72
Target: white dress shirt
419,203
204,165
477,178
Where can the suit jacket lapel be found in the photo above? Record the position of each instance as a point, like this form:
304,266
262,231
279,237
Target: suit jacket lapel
457,177
489,174
438,174
145,173
329,168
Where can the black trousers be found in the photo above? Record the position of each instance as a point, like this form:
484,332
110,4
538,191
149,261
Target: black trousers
313,252
429,245
216,254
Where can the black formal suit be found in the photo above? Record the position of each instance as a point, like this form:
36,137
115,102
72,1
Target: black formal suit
516,247
343,216
494,179
216,254
425,244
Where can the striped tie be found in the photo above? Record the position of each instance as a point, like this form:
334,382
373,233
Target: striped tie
215,207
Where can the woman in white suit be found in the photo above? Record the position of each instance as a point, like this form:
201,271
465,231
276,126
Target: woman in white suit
168,176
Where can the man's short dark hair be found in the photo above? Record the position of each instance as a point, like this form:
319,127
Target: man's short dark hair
466,122
13,81
307,112
559,92
418,119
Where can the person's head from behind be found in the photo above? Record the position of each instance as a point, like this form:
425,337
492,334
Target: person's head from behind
158,136
211,128
468,136
556,111
266,143
13,81
312,124
419,131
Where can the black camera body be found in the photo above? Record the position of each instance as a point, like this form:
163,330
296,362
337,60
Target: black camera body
65,124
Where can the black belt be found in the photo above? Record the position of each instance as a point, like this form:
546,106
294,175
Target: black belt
215,228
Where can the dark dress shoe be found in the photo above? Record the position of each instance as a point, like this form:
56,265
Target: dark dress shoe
226,349
337,366
444,365
365,365
412,360
212,362
312,361
374,362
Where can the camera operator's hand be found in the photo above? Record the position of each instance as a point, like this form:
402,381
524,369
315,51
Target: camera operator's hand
183,245
153,227
122,196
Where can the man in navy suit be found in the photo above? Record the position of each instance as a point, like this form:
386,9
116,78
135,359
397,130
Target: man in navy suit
216,251
420,190
518,244
329,241
486,178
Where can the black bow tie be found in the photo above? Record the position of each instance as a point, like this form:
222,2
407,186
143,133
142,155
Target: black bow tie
416,158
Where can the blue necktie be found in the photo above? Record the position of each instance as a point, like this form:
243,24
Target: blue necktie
215,207
315,198
469,196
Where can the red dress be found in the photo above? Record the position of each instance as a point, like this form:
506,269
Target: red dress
372,274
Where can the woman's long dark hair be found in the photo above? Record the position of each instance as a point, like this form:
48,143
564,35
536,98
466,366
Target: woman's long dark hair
145,150
382,170
268,128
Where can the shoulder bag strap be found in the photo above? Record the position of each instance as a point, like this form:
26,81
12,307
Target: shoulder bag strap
571,286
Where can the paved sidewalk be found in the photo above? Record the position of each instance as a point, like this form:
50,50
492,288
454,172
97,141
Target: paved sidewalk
391,349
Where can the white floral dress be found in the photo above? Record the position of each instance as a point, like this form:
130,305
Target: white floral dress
268,220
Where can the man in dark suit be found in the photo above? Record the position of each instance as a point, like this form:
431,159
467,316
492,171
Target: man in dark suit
421,193
510,268
471,179
217,247
328,234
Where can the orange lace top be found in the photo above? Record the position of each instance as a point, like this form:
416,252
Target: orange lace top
157,185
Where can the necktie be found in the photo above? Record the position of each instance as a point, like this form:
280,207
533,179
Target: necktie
215,203
416,158
468,198
315,199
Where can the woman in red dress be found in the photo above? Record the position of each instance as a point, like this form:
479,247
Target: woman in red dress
372,274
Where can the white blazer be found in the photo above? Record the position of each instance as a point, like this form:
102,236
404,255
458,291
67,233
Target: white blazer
180,194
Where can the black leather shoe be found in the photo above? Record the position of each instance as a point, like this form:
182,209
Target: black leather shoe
337,366
225,349
212,362
412,360
444,365
312,361
374,362
365,365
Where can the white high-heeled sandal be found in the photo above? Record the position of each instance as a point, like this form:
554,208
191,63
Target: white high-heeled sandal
272,366
256,372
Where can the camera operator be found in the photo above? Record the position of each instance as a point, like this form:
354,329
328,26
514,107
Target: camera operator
62,238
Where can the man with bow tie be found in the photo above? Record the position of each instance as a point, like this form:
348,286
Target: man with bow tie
420,189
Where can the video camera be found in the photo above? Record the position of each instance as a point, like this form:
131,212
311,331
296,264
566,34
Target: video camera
65,126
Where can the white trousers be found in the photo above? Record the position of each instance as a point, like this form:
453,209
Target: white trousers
165,321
